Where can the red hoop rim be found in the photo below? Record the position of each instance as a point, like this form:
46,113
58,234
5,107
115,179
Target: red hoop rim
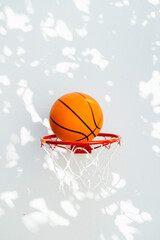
113,138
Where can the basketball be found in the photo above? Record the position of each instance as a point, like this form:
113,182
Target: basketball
76,117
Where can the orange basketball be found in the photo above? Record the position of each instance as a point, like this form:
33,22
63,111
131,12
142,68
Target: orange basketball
76,117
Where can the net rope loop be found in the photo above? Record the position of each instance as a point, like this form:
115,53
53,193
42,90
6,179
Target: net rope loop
80,166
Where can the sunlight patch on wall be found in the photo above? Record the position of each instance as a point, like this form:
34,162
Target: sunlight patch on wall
97,57
69,52
144,23
26,94
45,122
133,20
47,72
65,67
120,3
2,16
151,15
7,51
157,43
82,32
51,28
22,83
17,21
27,98
48,164
20,51
123,224
143,119
26,136
152,87
117,181
3,31
69,208
102,237
29,7
129,215
9,197
154,2
156,149
4,80
156,130
155,59
19,172
47,26
107,98
33,221
101,21
110,83
134,213
63,31
11,155
110,210
39,203
6,107
34,63
82,5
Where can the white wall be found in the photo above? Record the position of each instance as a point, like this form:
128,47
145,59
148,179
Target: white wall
109,50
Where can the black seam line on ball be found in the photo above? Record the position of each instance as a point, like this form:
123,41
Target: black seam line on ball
68,128
84,137
77,116
90,133
91,109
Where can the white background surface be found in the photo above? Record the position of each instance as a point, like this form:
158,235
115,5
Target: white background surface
109,50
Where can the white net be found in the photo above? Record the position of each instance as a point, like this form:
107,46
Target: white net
85,172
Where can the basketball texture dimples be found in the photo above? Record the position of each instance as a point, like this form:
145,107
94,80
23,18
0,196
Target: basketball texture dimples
76,117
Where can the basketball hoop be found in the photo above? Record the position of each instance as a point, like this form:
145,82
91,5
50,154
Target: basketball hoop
78,164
